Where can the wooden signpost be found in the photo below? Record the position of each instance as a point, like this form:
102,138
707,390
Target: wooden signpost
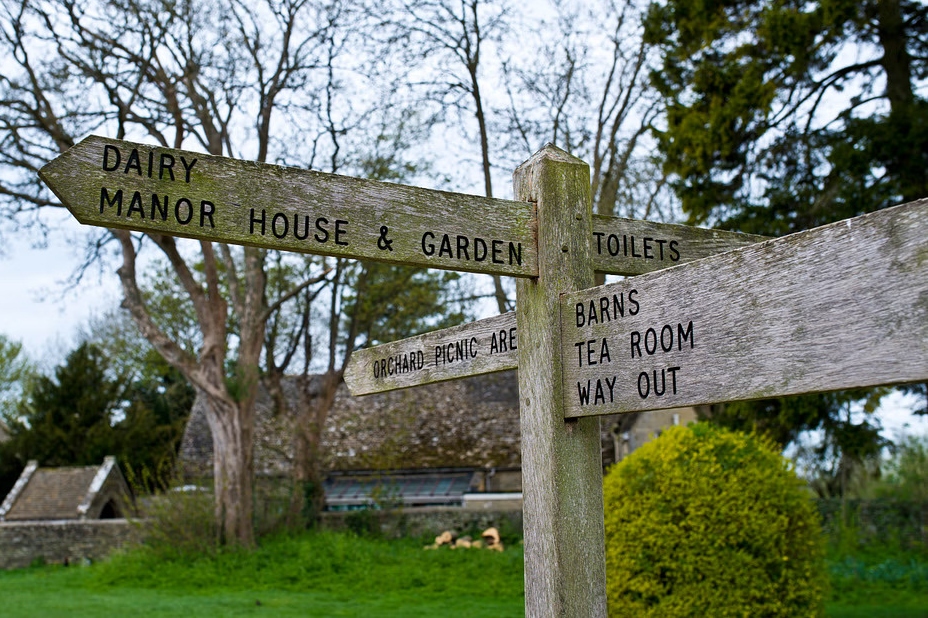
841,306
618,246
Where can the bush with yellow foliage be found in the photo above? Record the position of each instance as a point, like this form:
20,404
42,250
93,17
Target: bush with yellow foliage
704,521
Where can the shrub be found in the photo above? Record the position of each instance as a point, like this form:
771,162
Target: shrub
707,522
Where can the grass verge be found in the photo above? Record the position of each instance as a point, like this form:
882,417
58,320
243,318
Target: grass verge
316,574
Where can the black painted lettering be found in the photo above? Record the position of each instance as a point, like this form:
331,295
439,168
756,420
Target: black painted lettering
133,162
648,249
604,353
515,253
581,315
636,343
157,208
262,221
187,167
673,374
599,241
644,391
109,150
115,201
592,318
463,246
323,234
340,231
296,227
280,225
445,248
428,247
135,205
188,209
633,309
513,341
674,254
683,335
497,251
660,244
650,349
604,307
166,165
584,393
663,389
667,338
480,250
618,305
614,245
600,396
637,255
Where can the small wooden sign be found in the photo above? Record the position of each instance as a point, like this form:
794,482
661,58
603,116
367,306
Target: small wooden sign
840,306
119,184
484,346
632,247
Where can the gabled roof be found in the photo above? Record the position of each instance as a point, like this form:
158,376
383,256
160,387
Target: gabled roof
83,492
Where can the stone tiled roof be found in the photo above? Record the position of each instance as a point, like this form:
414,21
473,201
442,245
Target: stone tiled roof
469,423
80,492
53,493
464,423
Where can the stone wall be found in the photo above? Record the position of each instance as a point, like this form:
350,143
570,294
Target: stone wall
63,541
426,522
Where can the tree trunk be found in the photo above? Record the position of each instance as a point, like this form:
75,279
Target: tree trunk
232,427
307,498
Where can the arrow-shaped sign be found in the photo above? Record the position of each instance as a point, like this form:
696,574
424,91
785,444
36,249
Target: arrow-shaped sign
118,184
840,306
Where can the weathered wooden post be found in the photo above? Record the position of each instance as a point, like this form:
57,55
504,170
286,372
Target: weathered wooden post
565,568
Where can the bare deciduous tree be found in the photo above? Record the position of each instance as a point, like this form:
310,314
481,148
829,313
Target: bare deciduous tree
212,76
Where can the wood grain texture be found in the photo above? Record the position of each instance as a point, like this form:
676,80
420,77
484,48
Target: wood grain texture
111,183
632,247
841,306
484,346
565,572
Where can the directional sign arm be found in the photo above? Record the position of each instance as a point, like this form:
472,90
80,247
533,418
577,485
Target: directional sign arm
841,306
118,184
484,346
634,247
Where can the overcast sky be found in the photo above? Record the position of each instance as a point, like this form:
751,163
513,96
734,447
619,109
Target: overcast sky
35,307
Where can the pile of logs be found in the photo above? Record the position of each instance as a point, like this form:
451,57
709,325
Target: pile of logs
488,540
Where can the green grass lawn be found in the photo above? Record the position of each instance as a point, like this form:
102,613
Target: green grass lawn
312,575
329,574
887,584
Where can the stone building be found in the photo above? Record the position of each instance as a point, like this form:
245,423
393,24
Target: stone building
65,515
80,492
448,443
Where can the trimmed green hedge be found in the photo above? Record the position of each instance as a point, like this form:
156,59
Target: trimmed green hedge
707,522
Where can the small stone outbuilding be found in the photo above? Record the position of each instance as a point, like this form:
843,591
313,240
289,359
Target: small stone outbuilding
64,515
80,492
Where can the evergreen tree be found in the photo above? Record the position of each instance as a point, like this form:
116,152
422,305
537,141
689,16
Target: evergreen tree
785,115
85,413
